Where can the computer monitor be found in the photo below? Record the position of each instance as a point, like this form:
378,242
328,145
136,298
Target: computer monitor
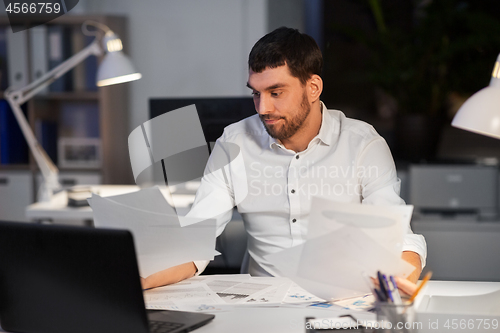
215,112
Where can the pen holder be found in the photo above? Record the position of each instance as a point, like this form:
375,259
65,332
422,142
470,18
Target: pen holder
395,318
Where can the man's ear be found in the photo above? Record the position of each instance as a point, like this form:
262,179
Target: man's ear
315,88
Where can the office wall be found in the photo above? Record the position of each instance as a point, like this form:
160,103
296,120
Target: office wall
187,48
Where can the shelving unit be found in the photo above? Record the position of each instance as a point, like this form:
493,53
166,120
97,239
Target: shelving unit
111,103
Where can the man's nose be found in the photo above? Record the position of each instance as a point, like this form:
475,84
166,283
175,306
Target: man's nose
264,105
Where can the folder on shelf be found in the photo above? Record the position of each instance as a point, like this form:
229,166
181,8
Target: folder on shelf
4,80
78,44
90,68
39,61
59,41
17,53
13,146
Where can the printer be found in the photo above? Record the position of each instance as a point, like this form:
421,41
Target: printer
454,189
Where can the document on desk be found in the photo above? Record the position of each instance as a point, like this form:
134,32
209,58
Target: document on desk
219,293
344,242
159,239
178,297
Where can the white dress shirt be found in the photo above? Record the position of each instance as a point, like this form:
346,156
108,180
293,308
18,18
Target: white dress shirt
271,186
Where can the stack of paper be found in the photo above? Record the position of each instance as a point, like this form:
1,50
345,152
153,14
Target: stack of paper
160,240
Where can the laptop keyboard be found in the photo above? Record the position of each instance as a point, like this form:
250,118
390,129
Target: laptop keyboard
162,326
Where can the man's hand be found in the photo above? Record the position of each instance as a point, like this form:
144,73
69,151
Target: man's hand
414,259
169,276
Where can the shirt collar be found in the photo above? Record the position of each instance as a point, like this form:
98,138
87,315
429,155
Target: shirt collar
325,133
327,129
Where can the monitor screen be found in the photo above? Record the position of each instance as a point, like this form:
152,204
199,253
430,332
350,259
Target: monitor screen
215,113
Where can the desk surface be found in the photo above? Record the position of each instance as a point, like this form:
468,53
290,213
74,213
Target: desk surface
290,320
57,208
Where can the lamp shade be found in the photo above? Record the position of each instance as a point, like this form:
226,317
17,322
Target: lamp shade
481,112
116,68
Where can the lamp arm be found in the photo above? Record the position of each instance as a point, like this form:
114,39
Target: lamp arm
26,93
18,97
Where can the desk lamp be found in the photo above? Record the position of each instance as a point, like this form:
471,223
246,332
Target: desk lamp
481,112
114,68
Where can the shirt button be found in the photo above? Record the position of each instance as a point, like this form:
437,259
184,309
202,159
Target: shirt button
297,157
293,191
294,220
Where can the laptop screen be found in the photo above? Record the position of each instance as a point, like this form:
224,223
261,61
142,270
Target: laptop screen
69,279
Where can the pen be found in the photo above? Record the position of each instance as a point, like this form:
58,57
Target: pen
427,277
383,288
380,295
388,288
395,292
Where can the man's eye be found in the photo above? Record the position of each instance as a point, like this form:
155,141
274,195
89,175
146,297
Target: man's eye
276,94
255,94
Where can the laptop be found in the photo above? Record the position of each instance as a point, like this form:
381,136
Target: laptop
61,279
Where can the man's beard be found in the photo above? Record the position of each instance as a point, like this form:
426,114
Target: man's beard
290,126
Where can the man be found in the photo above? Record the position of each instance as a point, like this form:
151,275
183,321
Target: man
295,148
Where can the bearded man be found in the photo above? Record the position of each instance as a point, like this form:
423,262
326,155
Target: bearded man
292,149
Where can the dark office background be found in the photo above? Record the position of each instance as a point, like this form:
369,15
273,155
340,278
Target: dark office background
405,66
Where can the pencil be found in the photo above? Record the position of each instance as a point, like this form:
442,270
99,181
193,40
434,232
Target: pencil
426,278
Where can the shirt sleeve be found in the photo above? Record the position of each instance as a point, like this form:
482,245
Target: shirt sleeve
381,186
200,266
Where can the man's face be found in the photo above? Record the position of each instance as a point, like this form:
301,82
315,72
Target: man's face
280,100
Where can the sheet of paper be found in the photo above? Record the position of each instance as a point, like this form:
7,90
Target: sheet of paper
159,239
271,296
237,291
338,251
361,303
176,297
385,224
297,295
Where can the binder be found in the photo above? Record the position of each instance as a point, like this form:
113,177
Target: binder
17,58
90,68
78,44
39,61
4,80
59,41
13,146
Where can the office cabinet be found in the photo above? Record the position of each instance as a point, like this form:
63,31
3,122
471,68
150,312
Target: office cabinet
16,192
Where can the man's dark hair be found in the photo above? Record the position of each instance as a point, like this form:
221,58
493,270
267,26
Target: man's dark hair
287,46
